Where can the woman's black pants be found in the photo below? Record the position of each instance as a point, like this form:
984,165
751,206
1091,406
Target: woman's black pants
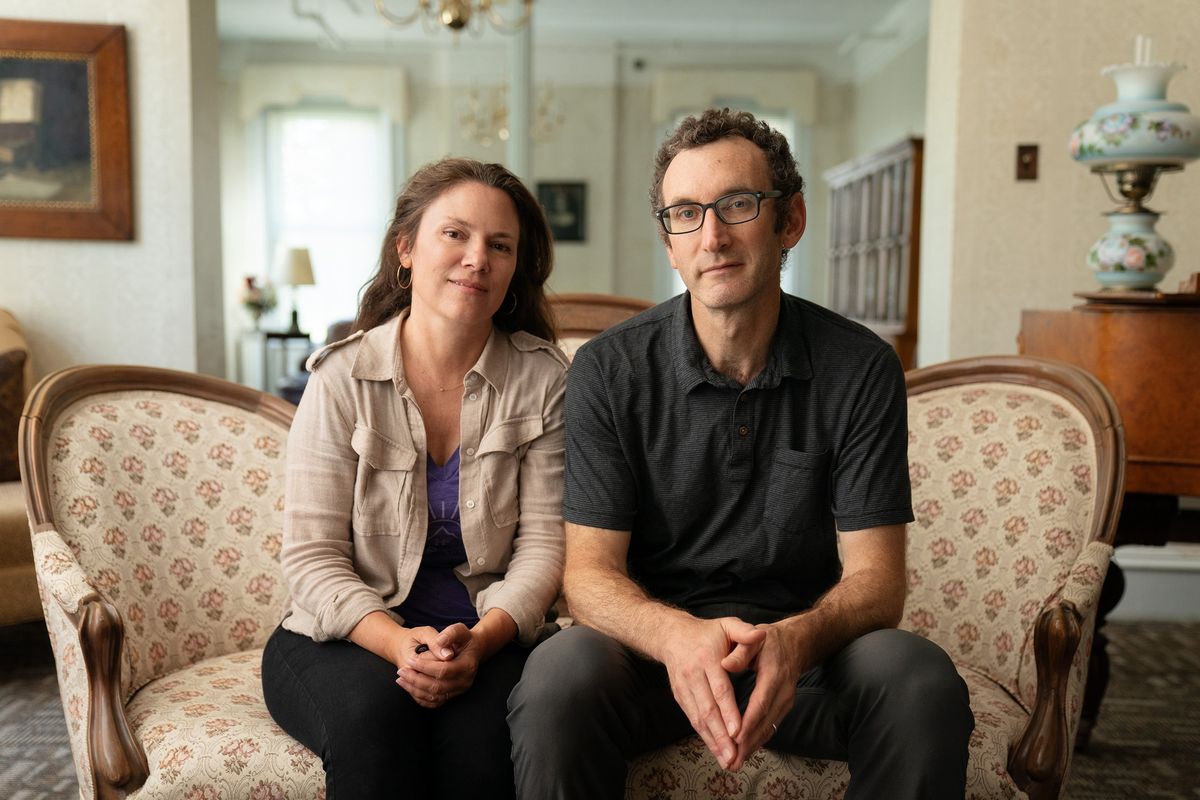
343,703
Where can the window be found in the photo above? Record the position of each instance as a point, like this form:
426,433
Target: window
329,188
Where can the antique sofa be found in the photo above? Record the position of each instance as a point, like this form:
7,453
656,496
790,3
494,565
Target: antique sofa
156,500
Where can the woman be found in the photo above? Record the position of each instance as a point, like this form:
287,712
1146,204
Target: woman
422,531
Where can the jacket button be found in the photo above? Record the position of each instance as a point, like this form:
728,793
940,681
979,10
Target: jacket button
472,396
470,504
470,451
480,561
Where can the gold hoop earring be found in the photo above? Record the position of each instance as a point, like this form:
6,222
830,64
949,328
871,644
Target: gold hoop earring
400,283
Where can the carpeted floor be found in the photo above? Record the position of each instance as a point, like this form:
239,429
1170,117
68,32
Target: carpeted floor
1146,745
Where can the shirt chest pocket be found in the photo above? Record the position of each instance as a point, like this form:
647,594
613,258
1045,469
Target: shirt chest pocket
797,489
383,487
500,453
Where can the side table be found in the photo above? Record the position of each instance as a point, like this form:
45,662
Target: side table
1142,347
264,357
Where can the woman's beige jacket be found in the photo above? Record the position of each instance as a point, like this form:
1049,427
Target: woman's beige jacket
356,509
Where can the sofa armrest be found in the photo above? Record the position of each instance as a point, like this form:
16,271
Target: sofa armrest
117,760
1083,583
62,579
1038,764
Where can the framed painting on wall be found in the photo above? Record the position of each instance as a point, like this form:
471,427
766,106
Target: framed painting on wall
565,204
64,131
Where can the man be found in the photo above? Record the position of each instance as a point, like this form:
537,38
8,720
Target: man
736,498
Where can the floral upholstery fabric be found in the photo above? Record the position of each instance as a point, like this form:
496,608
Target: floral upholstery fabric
208,735
72,675
1003,494
170,508
173,509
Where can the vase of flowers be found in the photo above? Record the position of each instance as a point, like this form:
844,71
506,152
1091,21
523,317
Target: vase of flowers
257,300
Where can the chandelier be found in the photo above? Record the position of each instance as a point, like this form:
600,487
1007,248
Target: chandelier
457,15
483,116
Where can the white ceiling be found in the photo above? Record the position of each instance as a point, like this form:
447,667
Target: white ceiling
355,22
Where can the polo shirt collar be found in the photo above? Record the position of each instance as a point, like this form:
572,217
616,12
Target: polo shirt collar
687,355
789,356
379,357
790,346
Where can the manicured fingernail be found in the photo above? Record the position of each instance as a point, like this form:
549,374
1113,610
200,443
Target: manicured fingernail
446,652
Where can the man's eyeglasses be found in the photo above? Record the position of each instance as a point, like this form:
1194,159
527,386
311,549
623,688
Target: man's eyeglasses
732,209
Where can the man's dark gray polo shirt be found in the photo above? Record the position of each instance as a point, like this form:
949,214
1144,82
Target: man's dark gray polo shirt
732,493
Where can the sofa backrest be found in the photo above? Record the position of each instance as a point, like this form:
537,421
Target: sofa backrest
172,504
1011,483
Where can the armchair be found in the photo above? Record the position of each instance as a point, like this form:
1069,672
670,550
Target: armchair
1017,466
155,499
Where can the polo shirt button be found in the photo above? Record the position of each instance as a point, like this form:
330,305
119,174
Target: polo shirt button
744,429
480,561
470,504
470,451
472,396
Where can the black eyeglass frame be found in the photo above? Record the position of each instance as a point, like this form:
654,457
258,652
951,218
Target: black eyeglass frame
661,213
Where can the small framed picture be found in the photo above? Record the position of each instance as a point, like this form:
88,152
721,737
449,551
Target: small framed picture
565,204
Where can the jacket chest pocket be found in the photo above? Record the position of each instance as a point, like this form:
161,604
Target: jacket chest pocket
383,490
797,490
500,454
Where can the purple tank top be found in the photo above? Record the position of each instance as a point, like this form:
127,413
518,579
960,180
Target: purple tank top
438,598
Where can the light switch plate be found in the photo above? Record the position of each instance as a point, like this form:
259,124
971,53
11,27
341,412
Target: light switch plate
1027,162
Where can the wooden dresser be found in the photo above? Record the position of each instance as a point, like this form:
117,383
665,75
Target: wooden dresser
1148,355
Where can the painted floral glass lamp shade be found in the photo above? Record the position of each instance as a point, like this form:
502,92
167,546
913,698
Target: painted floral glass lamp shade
295,269
1135,139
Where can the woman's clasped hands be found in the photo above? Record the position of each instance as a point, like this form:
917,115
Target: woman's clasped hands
435,667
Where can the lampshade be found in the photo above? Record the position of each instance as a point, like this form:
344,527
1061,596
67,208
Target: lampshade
294,267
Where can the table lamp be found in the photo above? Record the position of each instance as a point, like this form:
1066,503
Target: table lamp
1135,140
295,270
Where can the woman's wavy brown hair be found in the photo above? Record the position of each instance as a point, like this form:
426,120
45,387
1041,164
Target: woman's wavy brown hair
384,298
